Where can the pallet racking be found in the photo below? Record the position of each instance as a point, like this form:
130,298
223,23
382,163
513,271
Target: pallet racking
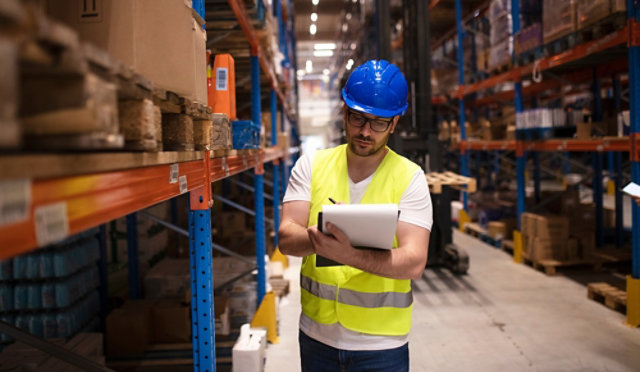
590,60
78,192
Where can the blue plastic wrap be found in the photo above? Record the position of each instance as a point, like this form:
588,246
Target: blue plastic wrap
7,318
46,265
245,135
20,296
33,266
35,324
20,267
6,297
49,295
34,296
6,270
49,326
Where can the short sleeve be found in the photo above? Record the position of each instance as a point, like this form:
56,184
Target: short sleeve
415,204
299,187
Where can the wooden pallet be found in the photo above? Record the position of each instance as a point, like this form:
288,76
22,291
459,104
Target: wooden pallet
602,27
507,246
437,180
612,297
551,267
280,286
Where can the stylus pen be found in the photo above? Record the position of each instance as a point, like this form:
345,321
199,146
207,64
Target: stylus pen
333,201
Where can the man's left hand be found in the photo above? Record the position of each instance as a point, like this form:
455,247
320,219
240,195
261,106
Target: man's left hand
334,246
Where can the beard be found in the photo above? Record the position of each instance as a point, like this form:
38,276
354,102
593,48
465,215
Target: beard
370,150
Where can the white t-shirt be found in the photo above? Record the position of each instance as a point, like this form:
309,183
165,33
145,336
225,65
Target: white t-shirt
415,208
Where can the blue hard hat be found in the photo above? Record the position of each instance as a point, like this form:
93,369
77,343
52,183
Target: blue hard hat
376,87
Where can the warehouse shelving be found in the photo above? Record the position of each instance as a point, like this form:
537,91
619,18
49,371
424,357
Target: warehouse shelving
64,194
615,53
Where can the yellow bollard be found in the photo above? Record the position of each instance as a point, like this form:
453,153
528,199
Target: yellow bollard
463,218
266,317
633,302
278,256
611,187
517,246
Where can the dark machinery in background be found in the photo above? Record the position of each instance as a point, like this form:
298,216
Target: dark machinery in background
419,129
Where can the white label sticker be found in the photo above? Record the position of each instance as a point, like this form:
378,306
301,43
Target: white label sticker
15,201
52,223
222,78
183,184
173,173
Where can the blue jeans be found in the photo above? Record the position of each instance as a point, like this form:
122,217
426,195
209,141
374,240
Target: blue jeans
318,357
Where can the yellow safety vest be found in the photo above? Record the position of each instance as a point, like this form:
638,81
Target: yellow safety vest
358,300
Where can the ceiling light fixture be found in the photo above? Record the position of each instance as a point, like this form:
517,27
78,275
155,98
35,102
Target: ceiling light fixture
312,29
349,64
323,53
324,46
348,16
344,27
315,2
309,66
314,17
326,71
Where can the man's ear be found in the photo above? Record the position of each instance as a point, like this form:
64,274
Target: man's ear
394,123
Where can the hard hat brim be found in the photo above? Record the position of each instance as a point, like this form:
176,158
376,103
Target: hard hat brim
372,110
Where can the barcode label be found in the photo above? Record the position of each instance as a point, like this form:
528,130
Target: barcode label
222,78
173,173
52,223
15,201
183,184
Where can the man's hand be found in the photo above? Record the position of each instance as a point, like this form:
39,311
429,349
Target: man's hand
335,246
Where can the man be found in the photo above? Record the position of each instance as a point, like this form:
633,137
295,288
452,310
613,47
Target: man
356,316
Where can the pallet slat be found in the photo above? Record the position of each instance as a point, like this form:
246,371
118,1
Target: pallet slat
437,180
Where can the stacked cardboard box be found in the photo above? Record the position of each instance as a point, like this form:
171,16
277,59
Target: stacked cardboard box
500,38
545,236
559,19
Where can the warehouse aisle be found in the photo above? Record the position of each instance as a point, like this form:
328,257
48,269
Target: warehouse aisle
501,316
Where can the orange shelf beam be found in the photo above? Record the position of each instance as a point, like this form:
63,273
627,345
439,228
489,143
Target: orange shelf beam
619,37
94,199
487,145
237,6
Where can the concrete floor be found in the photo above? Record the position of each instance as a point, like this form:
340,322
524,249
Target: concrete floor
500,317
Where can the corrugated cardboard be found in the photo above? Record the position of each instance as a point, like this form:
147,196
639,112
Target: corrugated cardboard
128,330
155,37
170,322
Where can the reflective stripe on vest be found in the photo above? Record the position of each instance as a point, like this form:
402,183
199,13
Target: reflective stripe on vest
350,297
358,300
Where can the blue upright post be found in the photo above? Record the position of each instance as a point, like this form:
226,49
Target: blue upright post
521,161
597,97
256,104
618,186
536,176
633,12
203,337
597,197
496,163
566,169
258,202
520,154
132,250
102,268
464,156
276,168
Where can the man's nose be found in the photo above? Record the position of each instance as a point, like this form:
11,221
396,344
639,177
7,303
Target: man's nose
366,128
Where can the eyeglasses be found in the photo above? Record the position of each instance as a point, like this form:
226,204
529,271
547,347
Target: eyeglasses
377,125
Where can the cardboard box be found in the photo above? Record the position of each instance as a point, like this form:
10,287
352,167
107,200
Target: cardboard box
583,131
497,230
154,37
222,315
127,331
170,322
548,249
552,227
169,278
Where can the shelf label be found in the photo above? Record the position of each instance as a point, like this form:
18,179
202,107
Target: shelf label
15,201
173,173
51,222
183,184
222,79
